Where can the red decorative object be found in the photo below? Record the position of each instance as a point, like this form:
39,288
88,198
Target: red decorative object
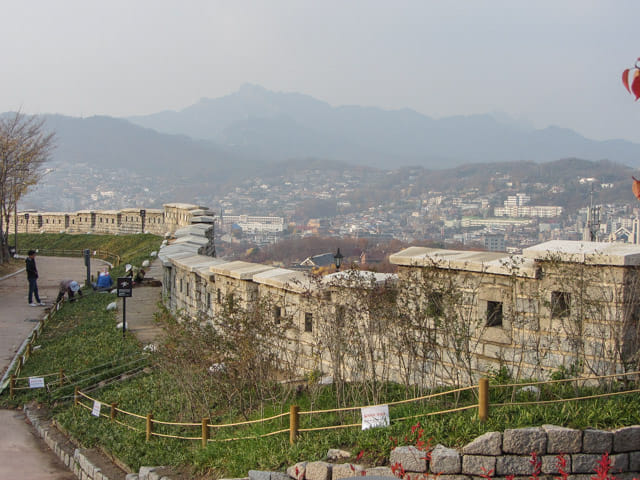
631,80
636,187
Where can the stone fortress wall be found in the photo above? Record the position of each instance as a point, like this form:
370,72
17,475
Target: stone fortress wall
558,305
115,222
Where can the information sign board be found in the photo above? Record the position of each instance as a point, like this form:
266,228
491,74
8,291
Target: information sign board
124,286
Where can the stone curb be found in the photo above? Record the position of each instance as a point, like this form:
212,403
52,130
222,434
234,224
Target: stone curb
20,270
74,458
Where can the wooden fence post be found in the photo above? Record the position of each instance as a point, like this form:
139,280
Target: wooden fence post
28,349
75,395
61,376
113,411
483,399
12,385
205,432
149,426
293,423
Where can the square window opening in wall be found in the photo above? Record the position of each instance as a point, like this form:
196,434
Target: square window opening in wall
560,304
435,308
494,314
308,322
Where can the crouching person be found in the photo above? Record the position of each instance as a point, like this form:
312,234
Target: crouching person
70,287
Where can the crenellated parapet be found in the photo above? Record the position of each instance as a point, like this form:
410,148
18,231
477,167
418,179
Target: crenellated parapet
158,221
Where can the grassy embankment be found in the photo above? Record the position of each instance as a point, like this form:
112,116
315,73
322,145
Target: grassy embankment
83,335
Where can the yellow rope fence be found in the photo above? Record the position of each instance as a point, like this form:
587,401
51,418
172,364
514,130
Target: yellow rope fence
294,415
566,380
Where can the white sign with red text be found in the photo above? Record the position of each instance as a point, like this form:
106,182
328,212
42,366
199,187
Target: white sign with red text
373,417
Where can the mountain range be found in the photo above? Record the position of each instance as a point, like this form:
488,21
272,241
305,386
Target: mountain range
272,126
254,129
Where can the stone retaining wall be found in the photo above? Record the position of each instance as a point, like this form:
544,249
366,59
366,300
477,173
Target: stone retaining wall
497,454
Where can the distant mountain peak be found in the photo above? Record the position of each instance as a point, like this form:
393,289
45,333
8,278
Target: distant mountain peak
276,126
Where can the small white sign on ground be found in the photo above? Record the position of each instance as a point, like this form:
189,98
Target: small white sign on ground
36,382
96,408
373,417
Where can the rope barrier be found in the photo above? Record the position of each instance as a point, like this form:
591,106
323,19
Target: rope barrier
441,412
160,422
254,437
128,426
174,436
560,400
143,417
563,380
399,402
39,376
204,437
248,422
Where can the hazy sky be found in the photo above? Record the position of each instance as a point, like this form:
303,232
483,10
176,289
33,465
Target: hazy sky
549,62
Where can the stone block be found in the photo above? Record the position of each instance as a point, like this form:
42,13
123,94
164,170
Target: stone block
626,476
455,477
335,454
346,470
523,441
444,460
297,471
584,462
155,475
145,471
132,476
634,461
579,476
626,439
259,475
379,471
278,476
411,459
488,444
550,464
597,441
562,439
318,471
478,464
513,465
619,463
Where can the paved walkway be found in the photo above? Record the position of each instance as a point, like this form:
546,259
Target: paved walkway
142,306
22,453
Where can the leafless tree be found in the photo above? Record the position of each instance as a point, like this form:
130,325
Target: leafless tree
24,148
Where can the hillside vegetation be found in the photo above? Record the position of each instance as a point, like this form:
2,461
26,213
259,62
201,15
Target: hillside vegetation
175,388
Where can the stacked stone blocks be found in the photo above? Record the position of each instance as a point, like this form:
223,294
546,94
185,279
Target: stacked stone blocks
497,455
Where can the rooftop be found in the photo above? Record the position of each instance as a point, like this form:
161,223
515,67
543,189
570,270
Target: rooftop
240,270
593,253
487,262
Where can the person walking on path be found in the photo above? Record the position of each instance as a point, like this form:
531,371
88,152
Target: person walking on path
32,277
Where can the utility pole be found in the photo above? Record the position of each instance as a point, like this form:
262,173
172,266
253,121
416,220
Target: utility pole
593,218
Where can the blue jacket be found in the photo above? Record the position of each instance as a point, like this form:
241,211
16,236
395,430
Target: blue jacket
104,281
